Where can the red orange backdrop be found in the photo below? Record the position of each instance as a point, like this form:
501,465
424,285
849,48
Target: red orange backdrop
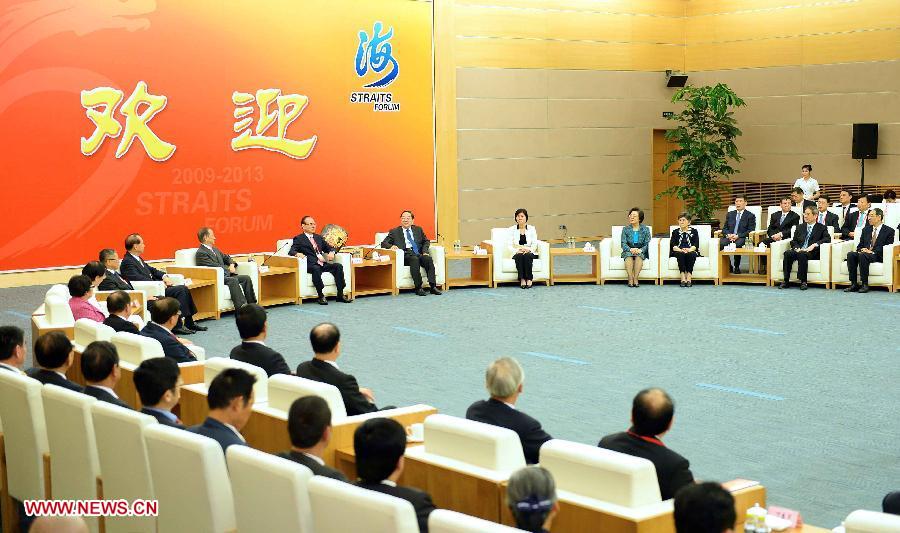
61,206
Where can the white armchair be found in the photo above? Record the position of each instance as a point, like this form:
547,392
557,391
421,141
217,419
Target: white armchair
817,270
861,521
404,278
612,266
706,266
880,274
505,265
304,278
188,258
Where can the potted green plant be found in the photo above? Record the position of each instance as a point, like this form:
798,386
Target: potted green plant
706,149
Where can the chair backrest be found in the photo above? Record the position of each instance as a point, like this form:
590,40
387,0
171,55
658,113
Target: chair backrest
186,257
444,521
74,465
135,349
60,289
500,238
380,237
475,443
123,461
88,331
25,435
616,249
861,521
339,506
270,493
601,474
284,389
190,481
215,365
704,233
757,212
57,311
283,246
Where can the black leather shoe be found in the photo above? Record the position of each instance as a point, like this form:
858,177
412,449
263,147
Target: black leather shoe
321,300
421,292
803,286
852,288
182,331
435,290
784,285
344,299
196,327
863,289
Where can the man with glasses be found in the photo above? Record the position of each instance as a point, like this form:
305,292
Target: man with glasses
319,255
808,237
411,239
869,250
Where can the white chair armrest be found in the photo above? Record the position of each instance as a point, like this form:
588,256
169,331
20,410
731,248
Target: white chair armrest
176,279
153,288
543,250
198,352
247,268
665,249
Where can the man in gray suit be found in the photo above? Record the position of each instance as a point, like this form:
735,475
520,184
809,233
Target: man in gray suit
240,285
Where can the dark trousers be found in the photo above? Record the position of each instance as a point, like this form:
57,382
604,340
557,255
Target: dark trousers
802,259
336,270
185,301
424,261
523,265
723,242
862,261
241,288
686,261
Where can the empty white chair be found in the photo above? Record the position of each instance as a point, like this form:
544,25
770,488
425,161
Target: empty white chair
504,264
705,267
404,278
817,270
444,521
861,521
57,315
188,258
304,278
74,465
339,506
270,493
612,265
123,461
456,442
284,389
133,349
88,331
25,435
60,290
190,481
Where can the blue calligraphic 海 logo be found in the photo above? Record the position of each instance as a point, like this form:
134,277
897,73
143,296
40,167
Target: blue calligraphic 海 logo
375,51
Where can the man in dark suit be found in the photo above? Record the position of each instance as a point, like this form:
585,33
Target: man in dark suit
134,268
54,354
870,249
230,401
651,417
738,225
253,328
239,285
119,306
857,220
100,367
326,344
158,383
379,444
309,426
781,222
163,318
826,217
504,381
12,349
412,240
704,507
311,246
808,237
846,204
800,200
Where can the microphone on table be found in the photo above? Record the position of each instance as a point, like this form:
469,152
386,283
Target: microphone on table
276,253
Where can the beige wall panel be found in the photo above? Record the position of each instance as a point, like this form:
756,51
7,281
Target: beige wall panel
575,84
889,140
502,53
501,83
848,16
580,225
743,54
873,76
773,168
743,25
671,8
648,113
590,113
553,200
599,141
501,113
829,168
752,82
770,140
489,21
876,45
695,8
850,108
479,144
505,173
774,110
826,139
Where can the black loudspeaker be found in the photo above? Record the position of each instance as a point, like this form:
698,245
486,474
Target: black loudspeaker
865,141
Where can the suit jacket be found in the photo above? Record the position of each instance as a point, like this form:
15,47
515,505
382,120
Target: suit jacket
312,464
262,356
396,237
850,223
354,401
818,236
218,432
213,258
171,347
420,500
831,219
775,226
885,236
497,413
120,324
49,377
747,224
162,419
302,245
675,238
114,282
807,203
135,269
845,211
531,239
672,470
104,396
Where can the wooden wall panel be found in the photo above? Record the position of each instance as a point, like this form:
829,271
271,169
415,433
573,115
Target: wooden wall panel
509,173
743,54
875,45
769,111
553,200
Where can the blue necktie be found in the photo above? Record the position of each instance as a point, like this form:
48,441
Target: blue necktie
737,221
808,234
412,242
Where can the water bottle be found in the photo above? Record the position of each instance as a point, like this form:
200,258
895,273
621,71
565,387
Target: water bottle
750,522
756,520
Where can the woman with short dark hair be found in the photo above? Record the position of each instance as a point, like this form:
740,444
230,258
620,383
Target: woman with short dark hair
685,244
81,291
531,497
635,245
523,243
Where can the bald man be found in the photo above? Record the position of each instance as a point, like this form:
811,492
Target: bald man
652,412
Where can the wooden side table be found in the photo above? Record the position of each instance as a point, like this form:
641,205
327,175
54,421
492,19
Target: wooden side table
593,277
481,266
373,277
278,284
725,275
896,286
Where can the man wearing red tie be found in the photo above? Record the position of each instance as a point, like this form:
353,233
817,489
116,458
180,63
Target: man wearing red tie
318,254
869,250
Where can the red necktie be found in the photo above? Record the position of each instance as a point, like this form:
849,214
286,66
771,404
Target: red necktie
315,247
